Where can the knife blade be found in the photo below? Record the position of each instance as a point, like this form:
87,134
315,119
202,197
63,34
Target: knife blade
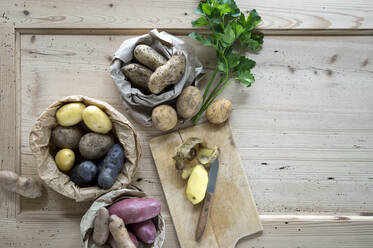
202,220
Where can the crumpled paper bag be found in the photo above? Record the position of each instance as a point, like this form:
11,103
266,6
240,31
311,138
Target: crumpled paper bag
86,224
59,181
138,104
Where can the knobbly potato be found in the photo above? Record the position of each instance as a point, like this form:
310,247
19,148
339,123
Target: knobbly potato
135,210
119,232
132,237
101,227
67,137
167,74
94,145
219,111
146,55
25,186
96,120
70,114
189,102
164,117
65,159
111,167
138,74
197,184
84,174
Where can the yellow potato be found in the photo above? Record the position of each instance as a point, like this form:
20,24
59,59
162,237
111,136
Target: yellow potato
197,184
70,114
164,117
219,111
96,120
65,159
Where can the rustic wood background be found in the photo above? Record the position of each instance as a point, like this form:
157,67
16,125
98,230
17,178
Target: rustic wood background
305,128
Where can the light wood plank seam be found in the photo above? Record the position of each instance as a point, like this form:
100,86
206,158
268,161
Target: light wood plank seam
51,215
184,31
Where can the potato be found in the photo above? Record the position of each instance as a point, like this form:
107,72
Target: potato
219,111
167,74
132,237
164,117
119,232
96,120
189,102
101,227
145,231
84,174
70,114
197,184
94,145
67,137
135,210
26,186
146,55
65,159
138,74
111,167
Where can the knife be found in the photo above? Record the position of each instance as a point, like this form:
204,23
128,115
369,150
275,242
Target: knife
202,221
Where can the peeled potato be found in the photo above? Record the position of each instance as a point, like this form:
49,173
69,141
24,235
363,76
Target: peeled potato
70,114
96,120
65,159
197,184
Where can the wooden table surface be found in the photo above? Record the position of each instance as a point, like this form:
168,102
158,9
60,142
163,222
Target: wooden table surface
304,130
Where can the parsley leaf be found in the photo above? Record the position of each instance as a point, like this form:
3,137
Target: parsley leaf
230,29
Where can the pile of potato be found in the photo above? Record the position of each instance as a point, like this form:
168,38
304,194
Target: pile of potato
88,152
126,222
152,73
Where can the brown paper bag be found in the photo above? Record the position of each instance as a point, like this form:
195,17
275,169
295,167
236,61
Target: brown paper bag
59,181
86,224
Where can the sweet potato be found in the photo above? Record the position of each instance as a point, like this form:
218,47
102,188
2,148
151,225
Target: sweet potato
101,227
119,232
135,210
145,231
25,186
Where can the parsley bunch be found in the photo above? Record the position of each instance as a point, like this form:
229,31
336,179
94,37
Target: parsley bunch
230,28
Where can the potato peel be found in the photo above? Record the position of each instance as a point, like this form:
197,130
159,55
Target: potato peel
207,155
186,151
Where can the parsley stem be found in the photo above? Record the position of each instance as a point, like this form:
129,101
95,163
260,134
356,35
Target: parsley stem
223,83
209,84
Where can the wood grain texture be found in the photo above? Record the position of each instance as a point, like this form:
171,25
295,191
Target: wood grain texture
288,14
278,232
304,126
9,142
233,213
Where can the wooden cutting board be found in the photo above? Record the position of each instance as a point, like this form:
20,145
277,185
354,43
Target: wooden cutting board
233,212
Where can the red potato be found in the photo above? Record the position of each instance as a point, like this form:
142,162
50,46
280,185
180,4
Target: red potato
145,231
132,236
135,210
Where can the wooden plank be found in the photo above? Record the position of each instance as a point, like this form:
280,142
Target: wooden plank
278,232
9,145
179,14
297,116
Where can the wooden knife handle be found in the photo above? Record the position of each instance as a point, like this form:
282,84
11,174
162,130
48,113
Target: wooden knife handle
202,221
